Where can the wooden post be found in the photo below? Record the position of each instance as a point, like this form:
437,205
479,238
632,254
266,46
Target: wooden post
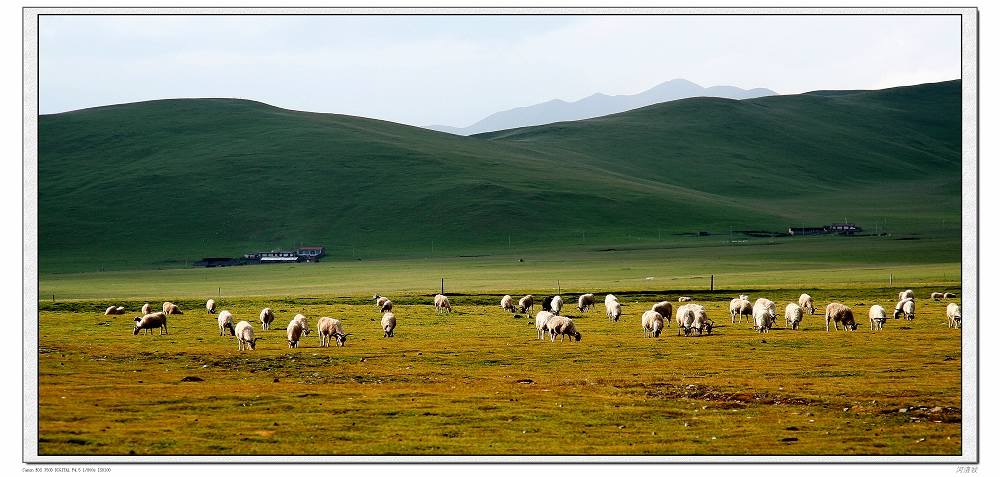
558,288
711,284
220,291
442,286
890,279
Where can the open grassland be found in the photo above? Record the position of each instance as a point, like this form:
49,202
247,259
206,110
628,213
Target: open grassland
476,381
824,262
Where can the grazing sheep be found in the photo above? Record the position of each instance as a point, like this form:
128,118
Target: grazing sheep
541,319
585,302
906,294
764,314
547,303
701,323
877,316
266,317
937,296
806,303
296,328
614,310
744,297
793,315
151,322
556,305
441,303
652,324
171,309
379,300
949,295
388,324
328,328
665,309
563,327
244,336
684,298
226,323
609,298
526,304
507,304
210,306
115,310
739,307
146,309
840,313
954,313
906,308
684,318
386,307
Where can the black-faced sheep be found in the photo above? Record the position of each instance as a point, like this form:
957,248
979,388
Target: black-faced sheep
386,306
441,303
586,302
245,339
388,324
556,305
210,306
905,308
652,324
526,304
507,304
840,313
563,327
226,323
151,322
328,328
793,315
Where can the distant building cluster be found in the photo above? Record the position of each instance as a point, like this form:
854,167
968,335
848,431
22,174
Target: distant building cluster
301,254
839,228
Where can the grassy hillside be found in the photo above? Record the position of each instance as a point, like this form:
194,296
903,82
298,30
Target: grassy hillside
162,183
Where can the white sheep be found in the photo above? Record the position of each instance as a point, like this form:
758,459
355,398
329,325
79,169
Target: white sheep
540,323
585,302
614,310
171,309
379,300
115,310
441,303
877,316
954,313
684,298
556,305
764,314
840,313
507,304
245,339
738,307
151,322
905,308
388,324
701,322
386,306
563,327
937,296
266,317
146,309
609,298
296,328
906,294
652,324
806,302
226,323
949,295
327,328
665,309
793,315
210,306
684,318
526,304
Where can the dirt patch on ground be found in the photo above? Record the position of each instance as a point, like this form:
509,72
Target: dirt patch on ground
722,399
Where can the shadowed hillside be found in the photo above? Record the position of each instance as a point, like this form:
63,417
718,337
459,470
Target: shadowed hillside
160,183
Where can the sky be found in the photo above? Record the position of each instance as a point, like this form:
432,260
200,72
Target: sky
455,70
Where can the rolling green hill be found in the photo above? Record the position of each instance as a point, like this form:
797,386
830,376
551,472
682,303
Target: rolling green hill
162,183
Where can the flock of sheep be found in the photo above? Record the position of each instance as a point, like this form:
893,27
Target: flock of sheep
689,317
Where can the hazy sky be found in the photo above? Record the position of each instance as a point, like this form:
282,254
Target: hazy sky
455,70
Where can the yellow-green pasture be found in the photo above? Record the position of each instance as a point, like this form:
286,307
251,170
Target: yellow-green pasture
477,381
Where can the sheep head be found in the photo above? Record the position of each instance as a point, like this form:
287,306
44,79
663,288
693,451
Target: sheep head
253,343
341,338
578,336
